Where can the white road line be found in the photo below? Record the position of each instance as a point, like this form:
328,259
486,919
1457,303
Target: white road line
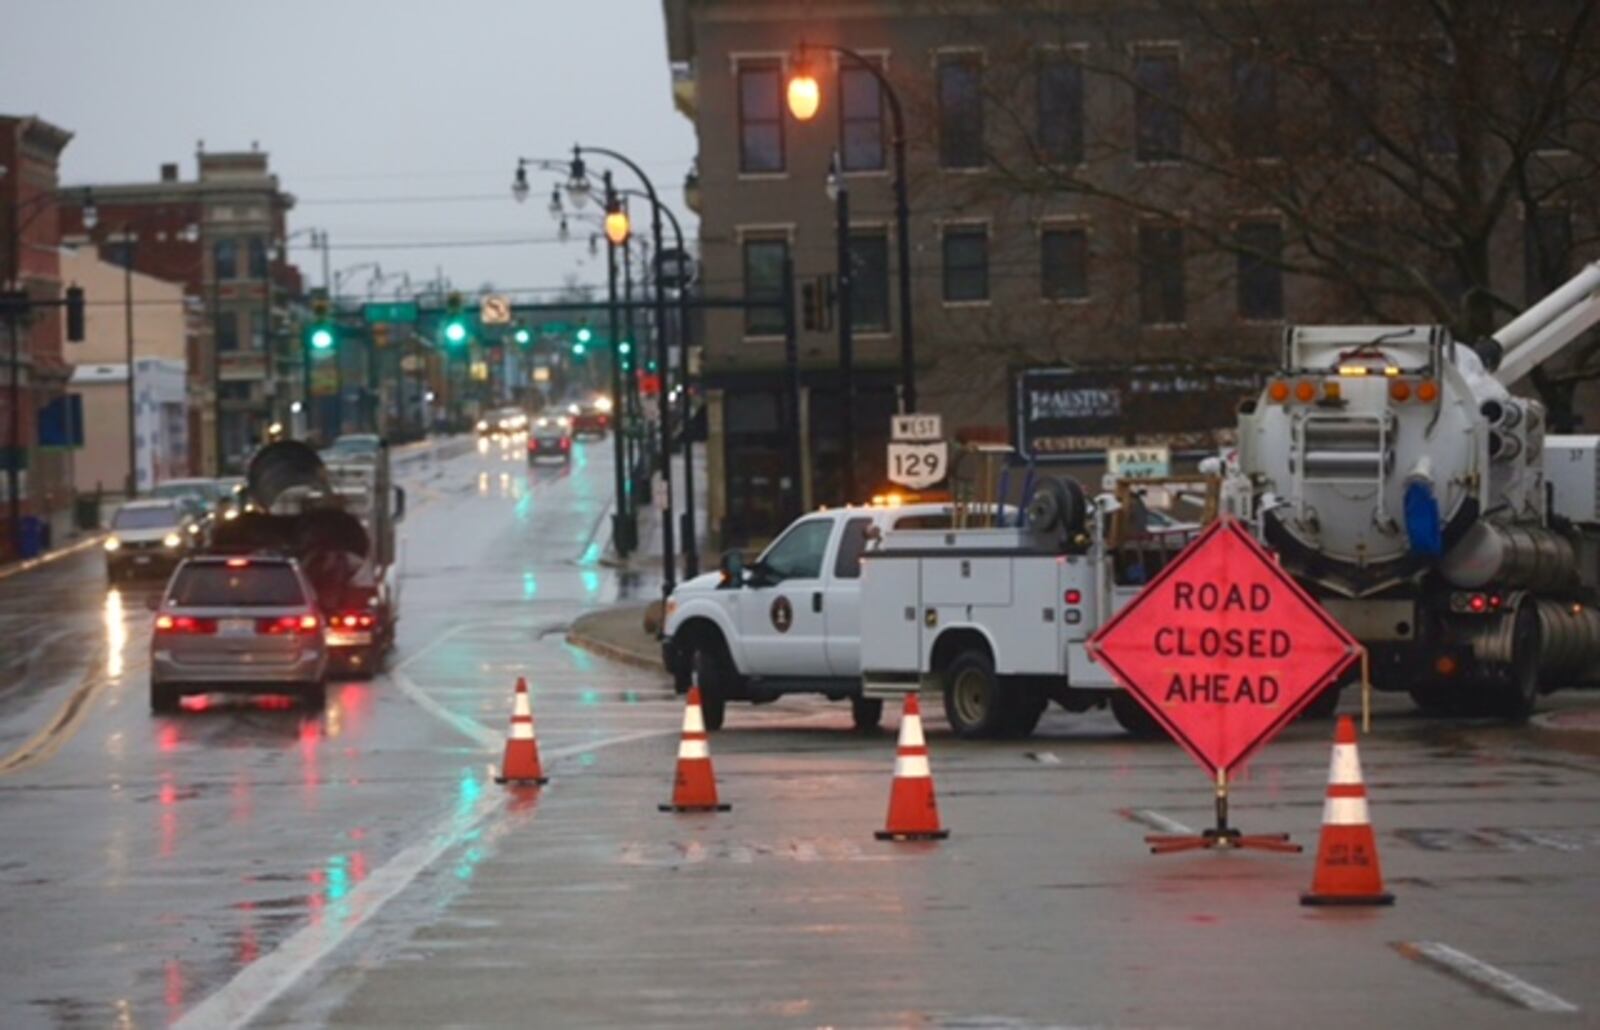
1156,821
263,981
463,724
1481,974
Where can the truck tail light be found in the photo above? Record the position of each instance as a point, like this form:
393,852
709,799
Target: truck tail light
1400,390
185,625
1305,392
1428,391
1073,597
1278,391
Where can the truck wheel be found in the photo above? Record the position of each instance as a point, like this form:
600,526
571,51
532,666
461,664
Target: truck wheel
866,713
1436,699
974,702
1133,718
1514,696
164,698
713,670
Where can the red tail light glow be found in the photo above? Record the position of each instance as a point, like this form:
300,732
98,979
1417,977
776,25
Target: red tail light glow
566,442
185,624
238,563
1074,596
533,444
307,623
1477,603
353,620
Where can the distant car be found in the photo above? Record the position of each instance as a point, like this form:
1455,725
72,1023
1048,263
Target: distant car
149,538
353,447
592,420
232,502
237,625
550,437
503,422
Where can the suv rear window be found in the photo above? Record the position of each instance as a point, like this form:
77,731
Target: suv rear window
250,586
145,518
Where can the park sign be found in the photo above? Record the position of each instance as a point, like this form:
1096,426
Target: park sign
1223,648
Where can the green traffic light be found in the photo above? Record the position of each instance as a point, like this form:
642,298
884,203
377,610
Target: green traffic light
523,336
625,348
321,337
577,349
455,332
584,335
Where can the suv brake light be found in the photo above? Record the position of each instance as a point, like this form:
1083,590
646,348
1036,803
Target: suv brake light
185,624
353,620
306,623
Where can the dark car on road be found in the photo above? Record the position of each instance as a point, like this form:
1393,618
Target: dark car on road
238,625
148,538
550,438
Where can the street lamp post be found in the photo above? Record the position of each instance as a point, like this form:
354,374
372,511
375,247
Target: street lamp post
618,230
804,98
839,190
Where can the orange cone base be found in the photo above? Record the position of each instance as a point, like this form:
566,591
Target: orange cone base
1333,900
696,808
911,835
534,781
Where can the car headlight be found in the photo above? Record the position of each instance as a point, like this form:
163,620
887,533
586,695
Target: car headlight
172,540
194,530
112,543
573,409
230,514
602,404
483,425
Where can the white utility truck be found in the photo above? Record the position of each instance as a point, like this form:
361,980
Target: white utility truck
995,619
788,622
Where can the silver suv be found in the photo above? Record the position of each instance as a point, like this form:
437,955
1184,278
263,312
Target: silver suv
237,625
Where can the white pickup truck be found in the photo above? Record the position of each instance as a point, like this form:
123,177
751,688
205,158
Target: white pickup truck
790,621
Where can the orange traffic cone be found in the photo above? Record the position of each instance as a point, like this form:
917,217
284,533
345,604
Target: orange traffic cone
913,813
695,787
521,762
1347,856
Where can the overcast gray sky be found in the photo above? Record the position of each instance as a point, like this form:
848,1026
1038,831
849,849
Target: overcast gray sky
391,121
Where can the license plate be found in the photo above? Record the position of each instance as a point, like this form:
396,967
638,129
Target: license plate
348,638
236,627
143,559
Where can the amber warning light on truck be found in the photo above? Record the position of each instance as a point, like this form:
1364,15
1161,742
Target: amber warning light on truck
1222,648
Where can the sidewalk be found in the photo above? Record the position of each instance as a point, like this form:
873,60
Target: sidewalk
618,633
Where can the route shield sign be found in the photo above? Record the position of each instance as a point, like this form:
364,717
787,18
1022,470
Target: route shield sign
1223,648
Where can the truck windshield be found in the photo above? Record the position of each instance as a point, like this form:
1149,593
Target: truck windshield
249,586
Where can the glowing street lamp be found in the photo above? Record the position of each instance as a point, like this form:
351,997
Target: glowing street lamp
617,227
805,96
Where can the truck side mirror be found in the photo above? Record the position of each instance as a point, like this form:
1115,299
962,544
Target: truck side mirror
399,503
732,567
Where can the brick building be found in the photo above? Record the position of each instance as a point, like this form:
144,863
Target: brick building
33,373
221,235
1108,186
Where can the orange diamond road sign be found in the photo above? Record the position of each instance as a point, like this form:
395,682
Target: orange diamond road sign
1223,648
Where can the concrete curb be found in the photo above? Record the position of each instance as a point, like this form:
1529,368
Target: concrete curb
17,569
614,653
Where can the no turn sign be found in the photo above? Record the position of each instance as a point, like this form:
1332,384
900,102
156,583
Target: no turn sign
1223,648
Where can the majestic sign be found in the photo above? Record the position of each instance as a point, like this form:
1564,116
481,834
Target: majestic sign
1223,648
1065,414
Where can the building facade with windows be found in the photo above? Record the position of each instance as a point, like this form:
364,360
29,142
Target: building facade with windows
1101,187
221,235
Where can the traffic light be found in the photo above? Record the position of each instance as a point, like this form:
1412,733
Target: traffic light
74,315
320,335
584,335
578,349
455,326
522,336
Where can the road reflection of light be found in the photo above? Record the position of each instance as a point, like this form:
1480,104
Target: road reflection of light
524,507
124,1014
169,816
174,992
243,799
167,739
483,484
332,719
591,581
505,484
116,633
591,554
310,738
530,586
483,445
249,949
589,696
115,745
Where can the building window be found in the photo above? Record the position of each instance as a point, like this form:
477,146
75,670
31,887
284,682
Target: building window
1541,63
1158,105
118,252
225,257
1354,75
1061,109
1260,273
1255,107
760,116
1064,264
764,261
1546,251
961,111
1438,113
966,263
1161,297
869,282
228,331
258,330
860,119
258,257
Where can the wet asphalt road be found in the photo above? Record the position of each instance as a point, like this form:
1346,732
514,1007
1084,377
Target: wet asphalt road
245,862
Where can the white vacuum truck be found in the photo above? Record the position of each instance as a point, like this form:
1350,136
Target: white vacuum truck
1423,504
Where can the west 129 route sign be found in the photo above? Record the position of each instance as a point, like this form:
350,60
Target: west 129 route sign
1223,648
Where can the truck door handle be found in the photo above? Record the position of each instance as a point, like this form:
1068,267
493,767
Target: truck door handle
816,600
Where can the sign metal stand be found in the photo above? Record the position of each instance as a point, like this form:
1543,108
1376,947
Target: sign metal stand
1221,837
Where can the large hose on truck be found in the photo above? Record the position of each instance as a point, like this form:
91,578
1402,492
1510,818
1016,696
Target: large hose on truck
328,541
